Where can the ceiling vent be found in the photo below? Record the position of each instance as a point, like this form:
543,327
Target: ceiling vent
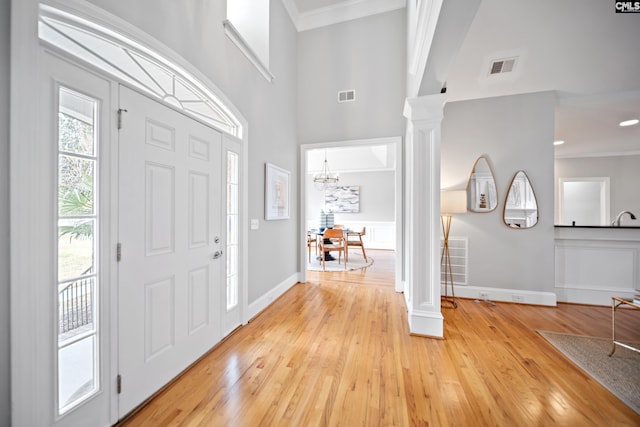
501,66
347,96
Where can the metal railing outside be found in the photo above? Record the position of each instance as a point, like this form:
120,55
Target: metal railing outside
75,303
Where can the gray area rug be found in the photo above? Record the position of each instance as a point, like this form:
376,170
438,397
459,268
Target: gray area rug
356,262
620,373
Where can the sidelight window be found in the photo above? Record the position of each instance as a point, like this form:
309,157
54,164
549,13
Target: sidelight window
77,236
232,230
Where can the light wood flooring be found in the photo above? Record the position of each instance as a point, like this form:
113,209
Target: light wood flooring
337,351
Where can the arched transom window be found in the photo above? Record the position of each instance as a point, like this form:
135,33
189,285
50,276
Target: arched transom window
135,65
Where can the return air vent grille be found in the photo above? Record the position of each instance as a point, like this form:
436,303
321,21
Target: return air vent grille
458,250
347,96
501,66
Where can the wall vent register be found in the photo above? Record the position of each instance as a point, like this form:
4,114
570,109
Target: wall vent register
347,96
458,250
501,66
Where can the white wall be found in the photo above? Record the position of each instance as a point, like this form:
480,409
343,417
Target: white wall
377,195
377,207
5,413
516,133
624,172
195,31
367,55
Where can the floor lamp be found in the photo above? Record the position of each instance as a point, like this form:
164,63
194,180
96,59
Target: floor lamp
451,202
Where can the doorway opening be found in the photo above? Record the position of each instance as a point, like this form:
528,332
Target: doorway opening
367,197
583,201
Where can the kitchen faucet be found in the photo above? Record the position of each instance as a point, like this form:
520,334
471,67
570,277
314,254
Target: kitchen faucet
616,222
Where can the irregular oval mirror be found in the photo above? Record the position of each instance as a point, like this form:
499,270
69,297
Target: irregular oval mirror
481,188
521,207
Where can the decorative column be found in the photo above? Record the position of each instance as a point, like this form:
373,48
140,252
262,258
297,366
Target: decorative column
422,287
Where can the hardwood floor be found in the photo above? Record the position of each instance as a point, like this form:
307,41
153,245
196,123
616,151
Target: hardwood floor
337,351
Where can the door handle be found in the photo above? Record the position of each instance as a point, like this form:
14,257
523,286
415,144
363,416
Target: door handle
217,255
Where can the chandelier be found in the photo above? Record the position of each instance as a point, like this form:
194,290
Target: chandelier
325,179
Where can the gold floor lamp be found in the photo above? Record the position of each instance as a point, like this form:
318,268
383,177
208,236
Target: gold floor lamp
451,202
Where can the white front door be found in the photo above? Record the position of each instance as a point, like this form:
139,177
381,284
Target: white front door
172,242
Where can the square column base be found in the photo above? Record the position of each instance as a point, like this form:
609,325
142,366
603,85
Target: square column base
426,323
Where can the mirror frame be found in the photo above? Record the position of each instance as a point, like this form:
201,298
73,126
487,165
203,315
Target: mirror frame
506,201
470,202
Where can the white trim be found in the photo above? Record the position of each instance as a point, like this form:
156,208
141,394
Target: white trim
426,21
237,39
30,397
425,323
603,154
507,295
292,10
342,12
276,292
245,48
400,212
591,296
114,201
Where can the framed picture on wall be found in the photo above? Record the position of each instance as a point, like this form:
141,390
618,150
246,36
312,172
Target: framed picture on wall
276,192
342,199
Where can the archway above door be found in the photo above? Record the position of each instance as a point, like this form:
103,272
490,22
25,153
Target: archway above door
137,65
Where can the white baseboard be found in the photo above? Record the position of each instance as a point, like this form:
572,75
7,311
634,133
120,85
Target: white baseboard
506,295
426,323
267,299
591,296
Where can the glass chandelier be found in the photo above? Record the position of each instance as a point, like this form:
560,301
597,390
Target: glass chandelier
325,179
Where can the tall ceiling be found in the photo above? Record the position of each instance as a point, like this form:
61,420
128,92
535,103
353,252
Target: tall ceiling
309,5
310,14
581,49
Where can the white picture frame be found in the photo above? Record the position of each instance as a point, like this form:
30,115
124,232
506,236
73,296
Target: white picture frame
276,193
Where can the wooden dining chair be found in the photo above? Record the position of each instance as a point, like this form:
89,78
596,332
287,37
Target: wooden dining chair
312,240
333,240
354,238
338,226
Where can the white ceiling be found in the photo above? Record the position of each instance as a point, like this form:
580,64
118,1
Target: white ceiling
580,48
352,159
310,14
308,5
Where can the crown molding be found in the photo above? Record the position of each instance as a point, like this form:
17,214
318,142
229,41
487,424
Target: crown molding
292,10
345,11
596,154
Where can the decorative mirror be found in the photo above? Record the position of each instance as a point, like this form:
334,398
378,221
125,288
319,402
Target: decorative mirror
481,188
521,207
